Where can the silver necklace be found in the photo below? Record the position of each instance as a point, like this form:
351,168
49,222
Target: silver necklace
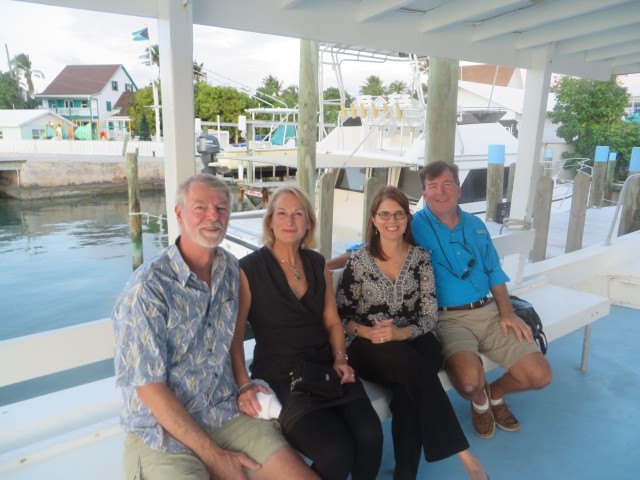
296,273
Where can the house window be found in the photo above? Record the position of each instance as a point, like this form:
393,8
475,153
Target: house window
68,103
128,87
108,106
84,103
114,86
36,133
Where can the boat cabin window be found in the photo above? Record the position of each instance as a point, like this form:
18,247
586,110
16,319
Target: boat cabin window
353,179
410,184
474,186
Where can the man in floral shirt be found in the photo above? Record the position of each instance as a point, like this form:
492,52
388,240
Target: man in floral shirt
173,324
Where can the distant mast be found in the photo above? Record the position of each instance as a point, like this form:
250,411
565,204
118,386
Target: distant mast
142,35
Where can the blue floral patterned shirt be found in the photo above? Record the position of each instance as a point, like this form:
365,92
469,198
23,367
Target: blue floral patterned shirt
171,327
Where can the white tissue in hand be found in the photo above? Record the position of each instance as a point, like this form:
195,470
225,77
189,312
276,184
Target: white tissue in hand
270,404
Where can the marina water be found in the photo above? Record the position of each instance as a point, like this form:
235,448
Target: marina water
63,262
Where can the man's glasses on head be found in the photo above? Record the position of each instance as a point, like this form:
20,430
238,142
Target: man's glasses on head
384,215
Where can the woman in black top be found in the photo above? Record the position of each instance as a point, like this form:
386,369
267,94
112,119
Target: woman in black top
386,299
293,315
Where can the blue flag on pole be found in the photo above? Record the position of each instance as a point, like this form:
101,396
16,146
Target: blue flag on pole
141,35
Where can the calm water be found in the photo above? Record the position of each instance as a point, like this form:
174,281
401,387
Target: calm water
63,262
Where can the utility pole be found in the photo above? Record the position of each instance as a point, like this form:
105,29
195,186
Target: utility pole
6,48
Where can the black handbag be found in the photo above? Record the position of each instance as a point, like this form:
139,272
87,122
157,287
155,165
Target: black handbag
526,312
316,379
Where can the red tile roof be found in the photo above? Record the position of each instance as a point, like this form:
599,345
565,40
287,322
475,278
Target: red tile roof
81,80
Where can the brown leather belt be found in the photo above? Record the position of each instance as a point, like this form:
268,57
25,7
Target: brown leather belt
469,306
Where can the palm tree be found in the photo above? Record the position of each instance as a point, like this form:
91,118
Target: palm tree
271,86
22,65
372,86
290,95
155,56
397,86
198,74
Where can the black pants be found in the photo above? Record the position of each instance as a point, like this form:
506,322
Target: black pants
340,440
423,418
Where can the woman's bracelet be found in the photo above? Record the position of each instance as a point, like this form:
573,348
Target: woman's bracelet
346,357
244,385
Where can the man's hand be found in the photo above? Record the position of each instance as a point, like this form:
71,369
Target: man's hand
519,326
227,465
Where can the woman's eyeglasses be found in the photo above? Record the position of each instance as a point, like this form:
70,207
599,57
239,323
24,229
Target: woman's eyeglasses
399,215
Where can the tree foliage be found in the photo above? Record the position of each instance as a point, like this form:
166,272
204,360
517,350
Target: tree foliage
373,86
21,64
144,128
142,105
590,113
331,112
271,86
224,101
397,86
290,96
10,97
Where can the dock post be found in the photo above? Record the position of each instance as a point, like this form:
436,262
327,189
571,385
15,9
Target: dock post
440,136
630,218
599,174
578,213
495,181
541,218
371,185
610,173
308,117
325,214
135,219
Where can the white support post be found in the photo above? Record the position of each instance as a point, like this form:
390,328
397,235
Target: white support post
530,137
175,32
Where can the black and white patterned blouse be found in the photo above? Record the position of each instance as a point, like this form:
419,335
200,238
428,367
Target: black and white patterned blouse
366,295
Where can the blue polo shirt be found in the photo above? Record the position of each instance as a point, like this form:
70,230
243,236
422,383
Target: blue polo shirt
465,262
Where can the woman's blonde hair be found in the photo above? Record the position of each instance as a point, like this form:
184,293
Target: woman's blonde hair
309,239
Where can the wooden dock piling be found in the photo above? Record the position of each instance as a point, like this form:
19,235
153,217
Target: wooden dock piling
541,218
325,214
135,219
598,177
578,213
495,181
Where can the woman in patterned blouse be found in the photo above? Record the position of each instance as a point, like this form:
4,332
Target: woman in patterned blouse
386,299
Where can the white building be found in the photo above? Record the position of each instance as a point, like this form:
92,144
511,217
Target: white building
91,96
33,125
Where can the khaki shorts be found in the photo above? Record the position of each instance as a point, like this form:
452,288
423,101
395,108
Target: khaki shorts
478,331
258,439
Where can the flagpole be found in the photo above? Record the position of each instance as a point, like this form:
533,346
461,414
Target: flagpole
156,107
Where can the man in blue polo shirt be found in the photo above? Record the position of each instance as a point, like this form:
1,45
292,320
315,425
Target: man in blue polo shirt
475,313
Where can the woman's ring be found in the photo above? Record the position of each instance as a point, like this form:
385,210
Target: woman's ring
381,339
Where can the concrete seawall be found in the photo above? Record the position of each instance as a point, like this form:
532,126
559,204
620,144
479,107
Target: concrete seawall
51,176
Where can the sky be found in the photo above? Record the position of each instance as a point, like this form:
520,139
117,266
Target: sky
54,37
